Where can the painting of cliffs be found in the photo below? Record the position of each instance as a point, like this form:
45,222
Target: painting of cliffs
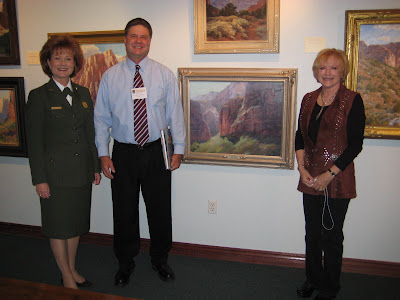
243,117
379,73
8,118
97,59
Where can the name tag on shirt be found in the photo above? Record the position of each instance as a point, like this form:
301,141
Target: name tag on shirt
139,93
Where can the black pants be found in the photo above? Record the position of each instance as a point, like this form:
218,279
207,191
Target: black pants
321,242
141,169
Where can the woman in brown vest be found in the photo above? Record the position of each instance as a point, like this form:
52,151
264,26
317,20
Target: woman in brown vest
330,135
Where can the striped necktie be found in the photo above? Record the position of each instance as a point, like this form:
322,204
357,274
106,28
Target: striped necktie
140,113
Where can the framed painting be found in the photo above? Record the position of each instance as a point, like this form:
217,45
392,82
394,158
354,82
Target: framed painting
373,50
239,117
12,120
9,46
101,50
236,26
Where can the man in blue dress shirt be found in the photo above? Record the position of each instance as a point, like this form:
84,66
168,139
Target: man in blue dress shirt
134,167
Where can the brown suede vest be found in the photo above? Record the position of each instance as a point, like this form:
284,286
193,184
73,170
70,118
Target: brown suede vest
331,142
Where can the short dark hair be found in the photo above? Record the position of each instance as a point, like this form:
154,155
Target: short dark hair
138,21
58,42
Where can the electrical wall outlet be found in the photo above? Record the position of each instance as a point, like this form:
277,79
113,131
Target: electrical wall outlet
212,206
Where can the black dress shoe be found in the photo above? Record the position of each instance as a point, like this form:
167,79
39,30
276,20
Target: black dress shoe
305,290
164,272
123,274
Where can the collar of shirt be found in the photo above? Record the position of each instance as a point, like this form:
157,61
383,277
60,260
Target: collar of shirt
132,66
61,87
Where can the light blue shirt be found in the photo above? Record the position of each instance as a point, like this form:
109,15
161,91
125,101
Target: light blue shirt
114,105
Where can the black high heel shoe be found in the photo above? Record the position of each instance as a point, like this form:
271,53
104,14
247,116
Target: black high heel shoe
85,283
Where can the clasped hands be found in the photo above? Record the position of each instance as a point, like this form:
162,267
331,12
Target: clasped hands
319,183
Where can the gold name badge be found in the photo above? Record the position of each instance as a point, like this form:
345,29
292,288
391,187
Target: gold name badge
56,107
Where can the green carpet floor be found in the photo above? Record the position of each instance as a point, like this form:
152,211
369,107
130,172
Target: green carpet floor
29,258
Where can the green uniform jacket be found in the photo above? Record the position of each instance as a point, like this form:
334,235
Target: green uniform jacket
60,137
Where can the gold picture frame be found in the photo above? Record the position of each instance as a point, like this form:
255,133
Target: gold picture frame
108,43
96,37
371,74
239,117
230,33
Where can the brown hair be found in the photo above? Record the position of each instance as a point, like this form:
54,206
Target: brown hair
138,21
58,42
325,54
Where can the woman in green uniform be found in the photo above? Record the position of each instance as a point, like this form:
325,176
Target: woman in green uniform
62,153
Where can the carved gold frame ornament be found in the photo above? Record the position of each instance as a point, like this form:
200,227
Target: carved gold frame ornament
202,46
354,19
96,37
289,79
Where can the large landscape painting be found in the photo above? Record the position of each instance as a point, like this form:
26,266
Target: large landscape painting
236,117
243,117
379,73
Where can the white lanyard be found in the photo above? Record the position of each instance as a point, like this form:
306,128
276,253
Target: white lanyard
326,203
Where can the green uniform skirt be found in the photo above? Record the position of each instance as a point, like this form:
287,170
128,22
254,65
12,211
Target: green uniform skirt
66,214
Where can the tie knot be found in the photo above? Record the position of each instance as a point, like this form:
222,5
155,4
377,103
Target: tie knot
67,91
137,68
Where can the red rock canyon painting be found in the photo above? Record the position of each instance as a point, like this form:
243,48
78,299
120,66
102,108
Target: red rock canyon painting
243,117
97,59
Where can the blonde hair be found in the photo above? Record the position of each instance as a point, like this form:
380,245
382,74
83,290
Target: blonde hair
325,54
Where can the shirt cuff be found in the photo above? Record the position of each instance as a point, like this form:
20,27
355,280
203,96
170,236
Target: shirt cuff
103,151
178,149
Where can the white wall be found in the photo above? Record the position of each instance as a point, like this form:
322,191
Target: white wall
258,209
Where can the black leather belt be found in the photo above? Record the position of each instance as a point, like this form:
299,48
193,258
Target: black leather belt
136,146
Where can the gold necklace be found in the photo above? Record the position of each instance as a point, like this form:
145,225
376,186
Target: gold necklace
324,104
